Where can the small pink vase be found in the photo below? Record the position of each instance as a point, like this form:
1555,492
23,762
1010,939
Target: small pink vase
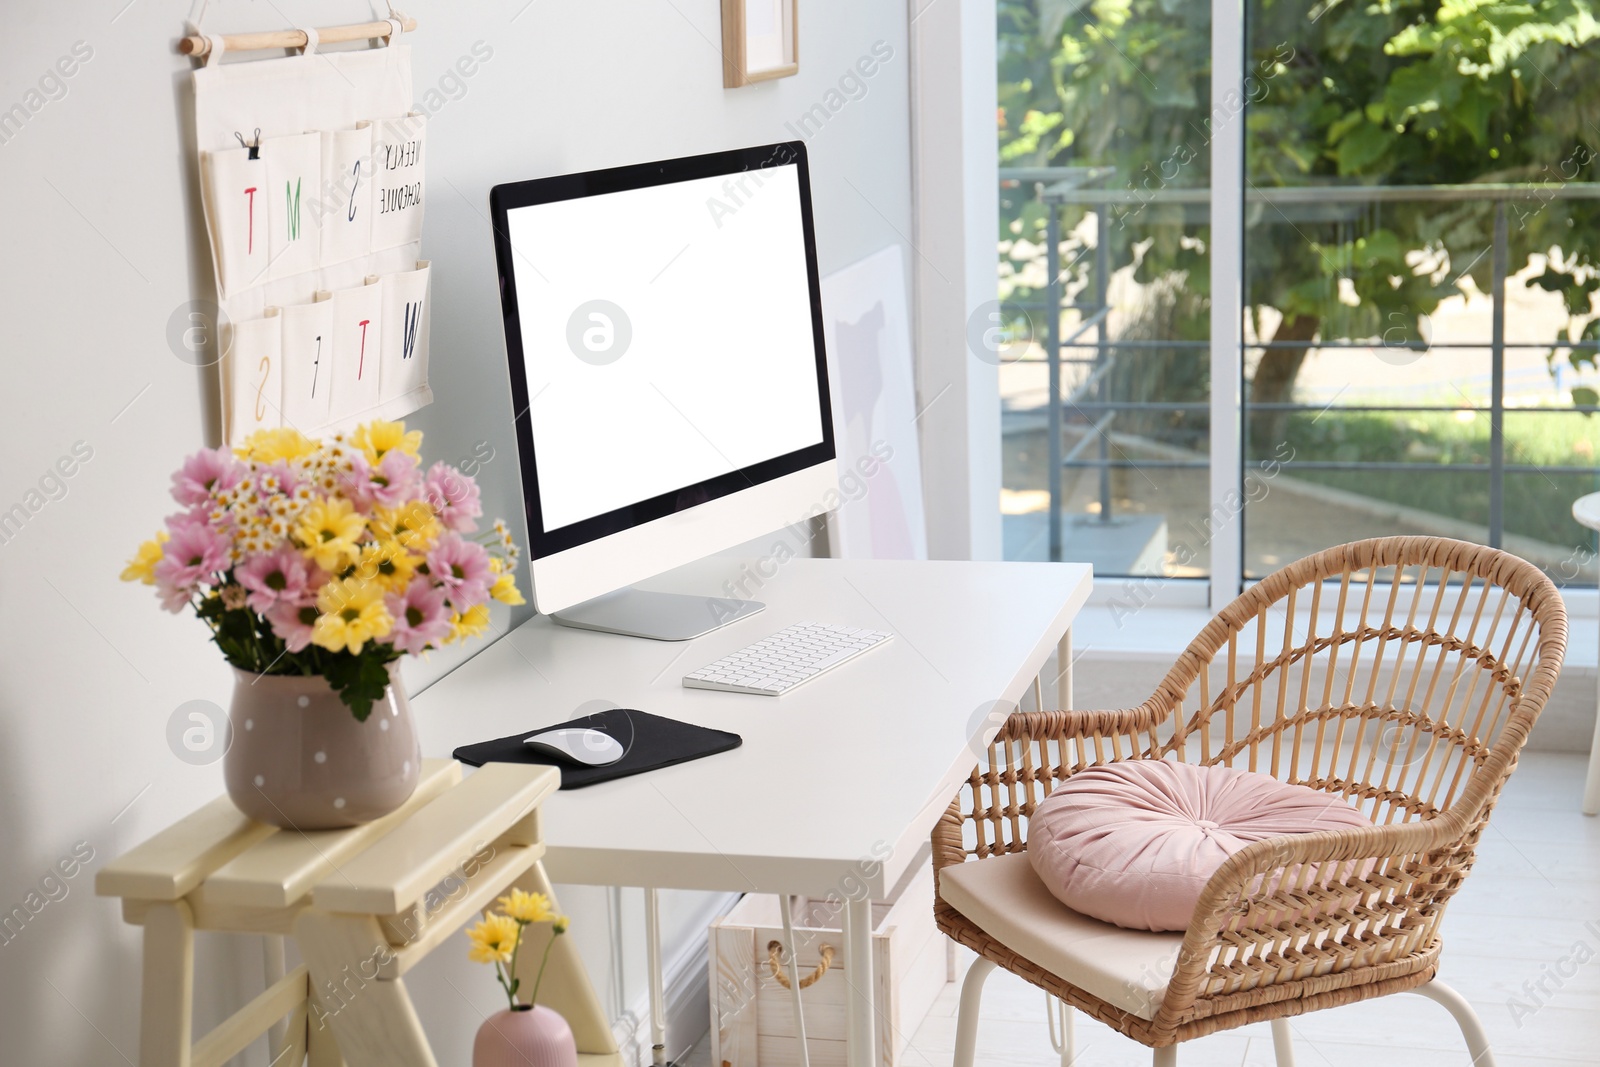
527,1037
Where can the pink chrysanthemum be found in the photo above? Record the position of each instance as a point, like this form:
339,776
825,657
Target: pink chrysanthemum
194,553
283,575
420,617
293,623
454,496
391,483
462,569
203,473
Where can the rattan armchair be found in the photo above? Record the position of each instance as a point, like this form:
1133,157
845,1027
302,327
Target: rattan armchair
1399,674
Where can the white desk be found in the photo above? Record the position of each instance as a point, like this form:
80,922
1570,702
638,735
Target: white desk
831,775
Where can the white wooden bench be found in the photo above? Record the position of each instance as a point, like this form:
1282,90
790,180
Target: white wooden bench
363,905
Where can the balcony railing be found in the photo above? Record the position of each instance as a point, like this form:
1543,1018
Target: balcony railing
1060,188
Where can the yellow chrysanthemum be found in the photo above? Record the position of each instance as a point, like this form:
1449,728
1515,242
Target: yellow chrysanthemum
470,623
269,446
494,939
504,590
387,563
352,613
527,907
379,437
413,524
142,567
329,530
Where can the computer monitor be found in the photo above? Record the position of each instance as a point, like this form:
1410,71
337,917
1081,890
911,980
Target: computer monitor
663,328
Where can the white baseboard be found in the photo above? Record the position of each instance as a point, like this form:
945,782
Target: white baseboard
688,1000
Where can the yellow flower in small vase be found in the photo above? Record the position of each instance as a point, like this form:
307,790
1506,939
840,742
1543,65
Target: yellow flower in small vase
527,907
494,939
498,940
352,612
329,530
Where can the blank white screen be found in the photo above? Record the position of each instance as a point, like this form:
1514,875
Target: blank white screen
720,372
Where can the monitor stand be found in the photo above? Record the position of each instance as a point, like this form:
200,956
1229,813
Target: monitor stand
658,616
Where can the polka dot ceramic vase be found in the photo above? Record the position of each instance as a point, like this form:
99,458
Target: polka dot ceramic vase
299,759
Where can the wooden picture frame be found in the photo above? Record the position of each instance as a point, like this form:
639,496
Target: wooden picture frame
760,41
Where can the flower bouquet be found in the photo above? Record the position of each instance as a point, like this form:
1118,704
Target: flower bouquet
525,1033
325,562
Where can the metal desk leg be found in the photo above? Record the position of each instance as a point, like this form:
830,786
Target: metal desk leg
658,996
1064,672
860,1023
787,902
1591,786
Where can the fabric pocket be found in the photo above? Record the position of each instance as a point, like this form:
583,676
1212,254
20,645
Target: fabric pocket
357,350
294,171
344,208
308,364
252,376
236,189
405,336
397,163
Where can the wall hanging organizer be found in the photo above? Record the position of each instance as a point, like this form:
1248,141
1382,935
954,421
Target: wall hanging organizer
312,181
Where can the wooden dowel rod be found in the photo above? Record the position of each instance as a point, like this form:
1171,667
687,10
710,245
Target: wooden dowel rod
251,42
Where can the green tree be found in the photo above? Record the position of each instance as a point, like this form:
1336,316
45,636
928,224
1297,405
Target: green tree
1390,92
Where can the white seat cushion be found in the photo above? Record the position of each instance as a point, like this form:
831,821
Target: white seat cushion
1003,895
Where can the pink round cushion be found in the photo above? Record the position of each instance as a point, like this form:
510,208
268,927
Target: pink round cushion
1134,842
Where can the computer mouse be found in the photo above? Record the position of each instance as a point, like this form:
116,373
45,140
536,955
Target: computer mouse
588,748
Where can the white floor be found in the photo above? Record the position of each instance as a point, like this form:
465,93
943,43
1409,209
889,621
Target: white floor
1528,913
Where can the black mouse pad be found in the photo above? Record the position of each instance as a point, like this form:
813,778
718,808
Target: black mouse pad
649,742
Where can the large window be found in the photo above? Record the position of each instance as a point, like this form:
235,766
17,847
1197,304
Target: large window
1416,337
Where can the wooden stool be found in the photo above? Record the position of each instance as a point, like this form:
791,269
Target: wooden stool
364,906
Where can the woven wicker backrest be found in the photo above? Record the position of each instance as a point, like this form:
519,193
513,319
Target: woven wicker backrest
1386,671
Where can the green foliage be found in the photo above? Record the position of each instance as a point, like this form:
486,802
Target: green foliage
1339,93
359,680
1538,504
247,641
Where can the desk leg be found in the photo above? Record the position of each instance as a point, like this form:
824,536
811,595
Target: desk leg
860,1022
658,995
1064,672
1591,785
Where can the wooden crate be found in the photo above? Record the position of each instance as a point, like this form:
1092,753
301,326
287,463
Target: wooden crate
752,1014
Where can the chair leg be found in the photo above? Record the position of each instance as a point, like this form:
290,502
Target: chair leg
1166,1057
967,1019
1591,784
1466,1018
1282,1043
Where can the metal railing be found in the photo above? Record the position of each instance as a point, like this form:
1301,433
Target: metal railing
1061,187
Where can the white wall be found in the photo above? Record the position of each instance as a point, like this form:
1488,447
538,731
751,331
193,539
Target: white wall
99,245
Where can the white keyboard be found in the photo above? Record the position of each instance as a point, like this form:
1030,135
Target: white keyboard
793,656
